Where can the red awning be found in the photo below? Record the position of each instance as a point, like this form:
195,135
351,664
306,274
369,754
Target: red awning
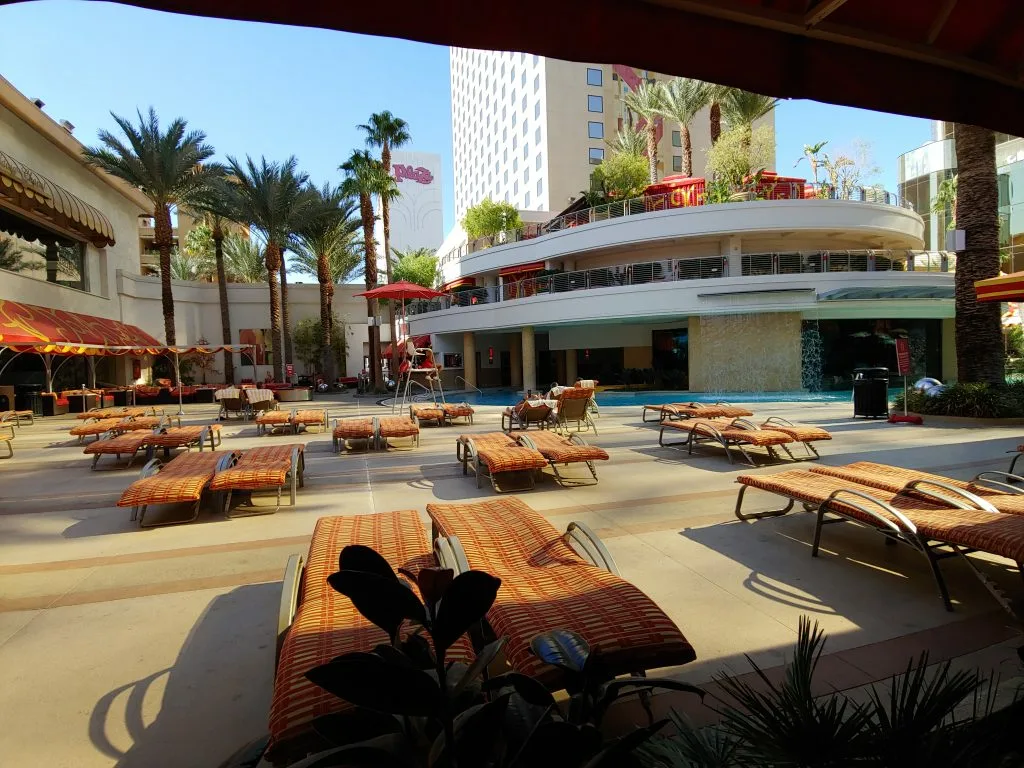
1002,288
460,283
30,328
519,269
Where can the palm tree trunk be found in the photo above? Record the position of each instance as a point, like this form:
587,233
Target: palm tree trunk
222,292
715,120
385,215
273,257
652,150
370,274
323,275
286,327
979,337
163,239
684,131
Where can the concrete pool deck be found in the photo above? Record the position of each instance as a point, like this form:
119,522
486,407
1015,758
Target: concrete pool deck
124,647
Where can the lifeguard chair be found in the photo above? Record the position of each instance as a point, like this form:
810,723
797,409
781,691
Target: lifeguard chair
419,369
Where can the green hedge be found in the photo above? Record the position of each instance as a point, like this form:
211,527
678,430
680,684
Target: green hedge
979,401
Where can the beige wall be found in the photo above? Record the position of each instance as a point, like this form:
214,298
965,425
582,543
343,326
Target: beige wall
745,353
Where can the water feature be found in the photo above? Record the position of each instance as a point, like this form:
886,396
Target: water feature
811,356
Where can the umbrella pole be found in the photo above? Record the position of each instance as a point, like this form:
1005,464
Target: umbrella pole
48,365
177,378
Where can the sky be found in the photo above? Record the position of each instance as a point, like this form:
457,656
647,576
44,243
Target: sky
263,89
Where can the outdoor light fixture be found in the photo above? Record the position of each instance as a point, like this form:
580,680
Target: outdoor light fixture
490,354
586,354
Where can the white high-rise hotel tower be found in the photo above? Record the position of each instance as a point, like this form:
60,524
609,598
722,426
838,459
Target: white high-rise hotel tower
529,129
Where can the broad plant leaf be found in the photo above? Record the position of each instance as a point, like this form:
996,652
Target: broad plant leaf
434,582
465,603
384,601
356,557
477,733
367,680
557,743
532,691
388,751
624,687
615,755
483,660
562,648
355,725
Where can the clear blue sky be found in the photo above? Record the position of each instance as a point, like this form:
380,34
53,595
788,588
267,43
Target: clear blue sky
265,89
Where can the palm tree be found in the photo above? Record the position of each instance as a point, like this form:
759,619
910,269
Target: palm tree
812,154
979,337
716,94
364,178
324,249
272,198
186,265
646,102
681,100
217,207
11,257
741,108
168,167
387,132
244,259
628,141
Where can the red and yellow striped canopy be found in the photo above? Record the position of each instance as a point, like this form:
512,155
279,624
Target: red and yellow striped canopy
1002,288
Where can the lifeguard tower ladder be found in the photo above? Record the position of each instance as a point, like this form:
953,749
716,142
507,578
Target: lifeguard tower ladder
423,373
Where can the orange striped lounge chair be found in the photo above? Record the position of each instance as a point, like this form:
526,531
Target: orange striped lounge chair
525,414
590,384
144,423
126,444
7,438
355,428
805,434
271,467
510,466
454,411
95,428
303,419
269,422
120,413
392,427
563,451
572,406
555,581
15,418
738,434
1013,462
317,624
170,438
183,480
675,411
427,412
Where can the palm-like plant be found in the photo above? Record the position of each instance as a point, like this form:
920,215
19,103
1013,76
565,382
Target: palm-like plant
741,108
387,132
244,259
217,207
812,154
628,141
646,102
11,257
186,265
168,167
366,178
716,94
272,197
681,100
324,249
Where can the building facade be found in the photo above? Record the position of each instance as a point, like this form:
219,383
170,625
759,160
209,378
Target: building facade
529,130
417,213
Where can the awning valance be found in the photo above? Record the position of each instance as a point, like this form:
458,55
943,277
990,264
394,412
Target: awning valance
26,192
1002,288
461,282
30,328
519,269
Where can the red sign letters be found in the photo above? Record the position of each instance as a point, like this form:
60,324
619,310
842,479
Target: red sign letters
420,175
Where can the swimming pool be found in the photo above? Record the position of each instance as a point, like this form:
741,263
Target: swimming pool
638,398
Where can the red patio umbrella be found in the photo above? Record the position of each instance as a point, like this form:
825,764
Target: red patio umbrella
401,290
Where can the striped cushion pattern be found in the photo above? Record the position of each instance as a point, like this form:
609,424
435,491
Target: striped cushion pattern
129,443
397,426
758,437
457,410
359,428
425,412
328,625
142,422
257,468
95,427
692,410
695,425
273,417
561,450
175,437
985,531
802,433
546,585
512,459
182,479
309,417
492,439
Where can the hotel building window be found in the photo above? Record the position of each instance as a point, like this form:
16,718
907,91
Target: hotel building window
595,130
596,156
677,163
676,139
595,104
595,76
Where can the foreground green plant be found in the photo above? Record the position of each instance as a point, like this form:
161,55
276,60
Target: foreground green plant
976,400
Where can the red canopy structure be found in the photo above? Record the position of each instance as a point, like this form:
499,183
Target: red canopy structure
401,290
956,61
418,341
1002,288
30,328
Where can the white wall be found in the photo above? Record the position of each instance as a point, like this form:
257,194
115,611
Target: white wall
416,215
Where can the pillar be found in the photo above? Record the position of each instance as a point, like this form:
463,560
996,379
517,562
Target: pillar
515,357
469,358
529,359
732,249
570,368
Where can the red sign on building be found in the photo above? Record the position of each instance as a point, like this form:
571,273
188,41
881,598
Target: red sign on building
420,175
289,370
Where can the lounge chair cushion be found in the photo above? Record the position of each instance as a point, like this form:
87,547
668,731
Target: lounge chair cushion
128,443
328,625
181,479
802,433
757,437
357,428
176,437
309,417
97,427
258,468
425,412
397,426
495,439
990,532
139,423
458,410
275,418
561,450
510,459
546,585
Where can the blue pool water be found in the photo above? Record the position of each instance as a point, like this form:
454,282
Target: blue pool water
509,396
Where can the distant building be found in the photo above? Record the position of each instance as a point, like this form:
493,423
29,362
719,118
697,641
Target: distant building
416,216
149,254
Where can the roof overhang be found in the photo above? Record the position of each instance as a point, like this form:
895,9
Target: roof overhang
957,61
876,293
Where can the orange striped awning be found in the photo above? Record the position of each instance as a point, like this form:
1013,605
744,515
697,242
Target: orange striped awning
1002,288
27,327
458,283
517,269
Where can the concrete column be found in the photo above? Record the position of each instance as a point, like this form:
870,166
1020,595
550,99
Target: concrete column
529,359
732,249
469,358
515,358
570,368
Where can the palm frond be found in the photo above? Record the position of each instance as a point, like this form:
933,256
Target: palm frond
682,98
741,108
646,101
383,129
244,259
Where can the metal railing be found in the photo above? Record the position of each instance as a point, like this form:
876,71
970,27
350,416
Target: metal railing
701,268
467,385
688,197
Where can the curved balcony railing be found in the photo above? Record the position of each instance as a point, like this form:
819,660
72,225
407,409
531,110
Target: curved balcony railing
694,197
706,268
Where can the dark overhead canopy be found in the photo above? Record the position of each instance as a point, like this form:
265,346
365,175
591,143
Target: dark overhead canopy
957,60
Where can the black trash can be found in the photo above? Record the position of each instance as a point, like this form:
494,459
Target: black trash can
871,393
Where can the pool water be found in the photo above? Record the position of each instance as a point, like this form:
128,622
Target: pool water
638,398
